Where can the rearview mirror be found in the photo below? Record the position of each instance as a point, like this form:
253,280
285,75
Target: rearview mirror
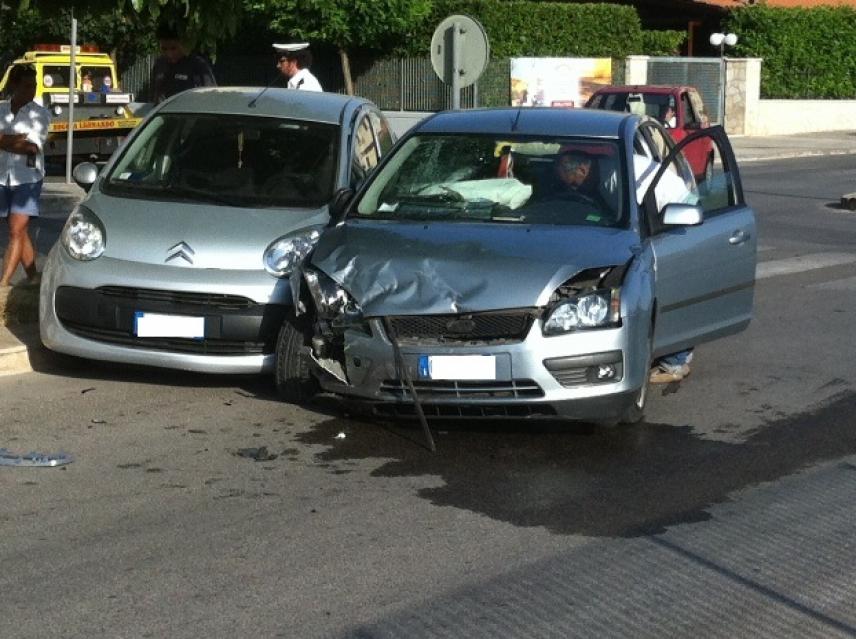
675,214
85,174
339,205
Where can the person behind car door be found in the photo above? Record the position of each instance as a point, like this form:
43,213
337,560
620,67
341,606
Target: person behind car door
176,70
293,61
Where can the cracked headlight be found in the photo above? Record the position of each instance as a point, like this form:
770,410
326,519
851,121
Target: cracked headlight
331,300
283,254
83,235
597,309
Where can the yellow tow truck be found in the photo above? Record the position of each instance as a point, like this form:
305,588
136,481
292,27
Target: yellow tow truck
102,115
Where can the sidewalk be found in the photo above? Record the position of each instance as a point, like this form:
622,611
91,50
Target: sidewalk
780,147
19,306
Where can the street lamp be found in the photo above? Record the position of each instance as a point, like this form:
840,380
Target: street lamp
722,40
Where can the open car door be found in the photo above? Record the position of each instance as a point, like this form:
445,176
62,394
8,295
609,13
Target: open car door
703,238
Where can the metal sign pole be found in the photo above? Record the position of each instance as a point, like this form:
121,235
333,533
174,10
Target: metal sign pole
72,86
456,66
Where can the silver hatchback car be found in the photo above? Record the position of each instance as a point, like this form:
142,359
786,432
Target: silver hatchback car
523,263
179,256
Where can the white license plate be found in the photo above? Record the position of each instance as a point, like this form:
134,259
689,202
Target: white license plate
481,367
159,325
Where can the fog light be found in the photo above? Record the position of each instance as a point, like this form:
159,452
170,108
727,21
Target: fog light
605,371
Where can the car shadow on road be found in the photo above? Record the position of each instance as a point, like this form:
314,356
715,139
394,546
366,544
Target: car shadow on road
627,482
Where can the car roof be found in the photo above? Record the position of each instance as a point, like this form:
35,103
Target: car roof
314,106
528,120
646,88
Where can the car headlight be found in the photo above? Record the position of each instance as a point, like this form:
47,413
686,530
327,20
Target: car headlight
596,309
83,235
283,254
332,301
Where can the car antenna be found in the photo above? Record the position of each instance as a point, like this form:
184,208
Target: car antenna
516,118
252,103
396,350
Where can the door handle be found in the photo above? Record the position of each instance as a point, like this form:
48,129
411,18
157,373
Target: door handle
738,237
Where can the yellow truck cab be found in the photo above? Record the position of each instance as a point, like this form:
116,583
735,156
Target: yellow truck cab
102,117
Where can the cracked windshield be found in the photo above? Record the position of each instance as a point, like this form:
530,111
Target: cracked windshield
560,181
230,160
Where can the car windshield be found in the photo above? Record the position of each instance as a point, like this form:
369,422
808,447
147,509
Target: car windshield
229,159
507,180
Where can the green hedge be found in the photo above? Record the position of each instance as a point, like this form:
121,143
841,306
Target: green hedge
520,29
808,53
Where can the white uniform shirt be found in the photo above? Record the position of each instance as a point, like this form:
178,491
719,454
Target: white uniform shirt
32,120
305,81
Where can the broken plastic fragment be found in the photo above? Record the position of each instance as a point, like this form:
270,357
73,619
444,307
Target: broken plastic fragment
257,454
341,435
33,459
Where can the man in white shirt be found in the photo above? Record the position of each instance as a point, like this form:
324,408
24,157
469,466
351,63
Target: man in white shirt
23,132
293,62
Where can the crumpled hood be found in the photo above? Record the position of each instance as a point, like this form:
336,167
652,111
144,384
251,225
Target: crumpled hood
395,268
221,237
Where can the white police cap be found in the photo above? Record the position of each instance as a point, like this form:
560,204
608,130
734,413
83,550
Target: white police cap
290,47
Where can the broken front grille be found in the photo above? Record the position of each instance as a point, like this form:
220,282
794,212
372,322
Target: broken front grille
448,389
507,326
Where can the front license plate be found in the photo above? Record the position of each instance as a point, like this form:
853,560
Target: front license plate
159,325
457,367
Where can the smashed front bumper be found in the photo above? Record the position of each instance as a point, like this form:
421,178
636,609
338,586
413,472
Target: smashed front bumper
587,375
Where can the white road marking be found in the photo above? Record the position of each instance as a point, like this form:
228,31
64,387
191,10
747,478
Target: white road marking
802,263
845,284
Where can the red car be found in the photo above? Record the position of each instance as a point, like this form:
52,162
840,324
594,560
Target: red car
679,108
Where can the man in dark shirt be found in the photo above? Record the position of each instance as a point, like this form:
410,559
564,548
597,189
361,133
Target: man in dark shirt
176,70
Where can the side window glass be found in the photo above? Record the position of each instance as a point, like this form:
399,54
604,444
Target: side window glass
698,106
717,187
691,119
382,132
366,155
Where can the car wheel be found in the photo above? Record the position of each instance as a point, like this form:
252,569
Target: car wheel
295,383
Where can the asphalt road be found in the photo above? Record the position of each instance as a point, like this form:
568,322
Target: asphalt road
729,512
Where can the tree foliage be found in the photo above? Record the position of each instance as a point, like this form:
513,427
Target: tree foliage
345,24
524,28
202,23
807,53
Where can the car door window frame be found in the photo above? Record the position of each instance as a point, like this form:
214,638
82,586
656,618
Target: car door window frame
729,167
359,172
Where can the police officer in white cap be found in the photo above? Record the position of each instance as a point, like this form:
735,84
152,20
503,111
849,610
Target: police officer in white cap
293,61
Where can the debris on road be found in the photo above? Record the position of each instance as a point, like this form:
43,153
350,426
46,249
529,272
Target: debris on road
257,454
33,459
86,390
341,435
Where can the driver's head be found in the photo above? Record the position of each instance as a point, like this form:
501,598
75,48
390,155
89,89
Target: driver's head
573,168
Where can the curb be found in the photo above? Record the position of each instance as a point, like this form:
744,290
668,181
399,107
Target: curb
19,329
17,346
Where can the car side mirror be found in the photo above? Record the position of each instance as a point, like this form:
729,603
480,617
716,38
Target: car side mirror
339,205
675,214
85,174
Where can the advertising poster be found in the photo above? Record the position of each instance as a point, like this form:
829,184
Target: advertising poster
563,82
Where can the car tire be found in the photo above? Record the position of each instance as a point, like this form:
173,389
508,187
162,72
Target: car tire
295,383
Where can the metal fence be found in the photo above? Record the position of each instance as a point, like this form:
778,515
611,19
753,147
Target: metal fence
401,84
702,73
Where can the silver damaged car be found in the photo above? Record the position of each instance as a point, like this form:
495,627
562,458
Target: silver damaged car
180,254
522,263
